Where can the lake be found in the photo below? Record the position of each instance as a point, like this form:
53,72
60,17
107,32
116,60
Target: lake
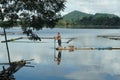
75,65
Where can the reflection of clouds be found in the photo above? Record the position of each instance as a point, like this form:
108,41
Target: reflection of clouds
106,62
16,57
91,75
88,75
25,51
111,62
1,56
37,58
87,38
116,68
82,65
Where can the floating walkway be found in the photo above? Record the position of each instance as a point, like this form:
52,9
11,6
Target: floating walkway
14,39
106,36
87,48
110,37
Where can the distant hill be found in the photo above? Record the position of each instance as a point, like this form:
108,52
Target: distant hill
83,20
104,15
75,15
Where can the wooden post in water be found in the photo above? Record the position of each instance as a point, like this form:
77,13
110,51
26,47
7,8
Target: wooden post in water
7,46
54,49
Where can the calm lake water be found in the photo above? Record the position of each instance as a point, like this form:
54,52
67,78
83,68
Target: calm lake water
76,65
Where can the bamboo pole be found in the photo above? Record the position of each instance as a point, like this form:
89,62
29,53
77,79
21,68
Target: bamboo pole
7,47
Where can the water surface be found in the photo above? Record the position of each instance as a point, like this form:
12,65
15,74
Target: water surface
76,65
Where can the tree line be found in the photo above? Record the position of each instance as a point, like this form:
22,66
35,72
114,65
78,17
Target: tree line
102,22
105,21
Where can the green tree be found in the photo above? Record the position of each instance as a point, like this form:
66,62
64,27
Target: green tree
31,13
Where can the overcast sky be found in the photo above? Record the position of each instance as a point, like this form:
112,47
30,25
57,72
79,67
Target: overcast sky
93,6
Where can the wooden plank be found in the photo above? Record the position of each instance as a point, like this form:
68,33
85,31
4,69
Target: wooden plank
107,48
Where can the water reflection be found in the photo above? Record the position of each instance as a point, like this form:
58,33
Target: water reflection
58,58
77,65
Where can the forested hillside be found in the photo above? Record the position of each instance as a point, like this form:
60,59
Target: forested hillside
84,20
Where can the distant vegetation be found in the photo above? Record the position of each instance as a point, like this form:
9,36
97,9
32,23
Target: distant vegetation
74,19
78,19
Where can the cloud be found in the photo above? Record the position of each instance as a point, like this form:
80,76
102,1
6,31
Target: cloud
94,6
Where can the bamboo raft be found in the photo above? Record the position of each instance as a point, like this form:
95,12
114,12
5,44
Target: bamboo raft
87,48
110,37
106,36
14,39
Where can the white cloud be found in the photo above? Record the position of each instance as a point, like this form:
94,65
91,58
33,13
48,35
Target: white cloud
94,6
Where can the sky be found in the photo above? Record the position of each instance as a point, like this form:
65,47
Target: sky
93,6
